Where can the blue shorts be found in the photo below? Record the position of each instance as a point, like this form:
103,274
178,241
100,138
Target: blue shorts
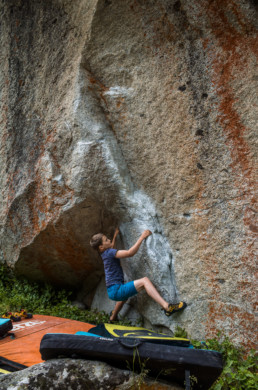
121,292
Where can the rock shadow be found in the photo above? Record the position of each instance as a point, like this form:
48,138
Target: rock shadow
61,253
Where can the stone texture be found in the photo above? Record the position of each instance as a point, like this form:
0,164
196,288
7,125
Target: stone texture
79,375
140,115
42,43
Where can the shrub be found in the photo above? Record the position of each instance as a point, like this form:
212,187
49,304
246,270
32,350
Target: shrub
240,367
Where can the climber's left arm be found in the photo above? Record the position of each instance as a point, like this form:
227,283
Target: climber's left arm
114,238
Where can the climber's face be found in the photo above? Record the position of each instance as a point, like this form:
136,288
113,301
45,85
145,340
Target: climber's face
106,243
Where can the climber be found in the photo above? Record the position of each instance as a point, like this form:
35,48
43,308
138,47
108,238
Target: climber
118,290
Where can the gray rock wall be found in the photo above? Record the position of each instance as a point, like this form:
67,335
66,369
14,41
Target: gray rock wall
140,115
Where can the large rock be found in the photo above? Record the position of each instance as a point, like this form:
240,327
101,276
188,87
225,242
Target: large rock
80,375
140,115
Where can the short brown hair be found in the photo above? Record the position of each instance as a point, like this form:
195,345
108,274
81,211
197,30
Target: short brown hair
96,240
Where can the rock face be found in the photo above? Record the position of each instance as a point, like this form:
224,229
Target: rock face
140,115
80,375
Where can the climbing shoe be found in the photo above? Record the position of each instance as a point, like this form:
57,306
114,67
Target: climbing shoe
174,307
11,316
24,314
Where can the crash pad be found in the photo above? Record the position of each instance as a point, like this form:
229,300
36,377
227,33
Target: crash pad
24,348
122,331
